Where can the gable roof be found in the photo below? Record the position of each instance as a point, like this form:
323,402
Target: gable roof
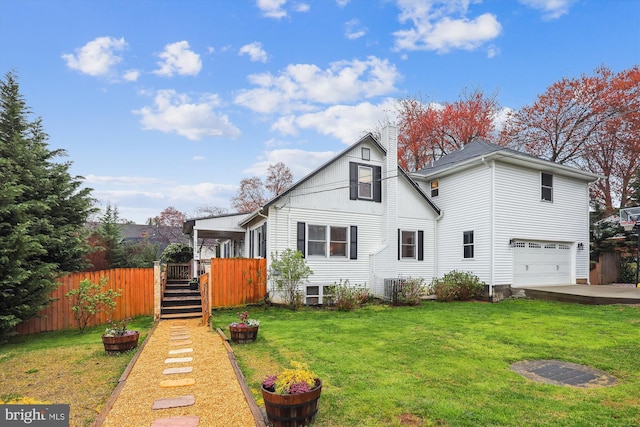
484,151
367,138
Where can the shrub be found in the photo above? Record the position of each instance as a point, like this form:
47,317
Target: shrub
457,285
177,253
410,291
345,297
288,271
90,299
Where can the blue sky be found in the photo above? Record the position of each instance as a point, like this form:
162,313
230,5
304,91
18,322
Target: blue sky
172,103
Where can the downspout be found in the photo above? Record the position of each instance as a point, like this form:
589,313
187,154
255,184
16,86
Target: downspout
196,256
435,244
492,225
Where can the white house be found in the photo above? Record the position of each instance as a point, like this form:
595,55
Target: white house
512,219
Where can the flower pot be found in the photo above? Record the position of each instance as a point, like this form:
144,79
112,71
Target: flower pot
292,410
119,344
243,334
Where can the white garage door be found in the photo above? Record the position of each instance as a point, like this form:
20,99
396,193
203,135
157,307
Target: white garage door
541,263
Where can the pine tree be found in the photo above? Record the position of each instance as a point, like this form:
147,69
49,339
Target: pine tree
43,212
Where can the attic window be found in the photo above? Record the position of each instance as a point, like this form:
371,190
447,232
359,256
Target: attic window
434,188
366,153
546,180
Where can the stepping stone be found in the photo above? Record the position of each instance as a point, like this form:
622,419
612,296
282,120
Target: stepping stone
181,350
179,343
171,371
186,421
177,383
174,402
178,359
179,337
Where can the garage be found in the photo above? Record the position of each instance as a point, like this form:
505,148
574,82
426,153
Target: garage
541,263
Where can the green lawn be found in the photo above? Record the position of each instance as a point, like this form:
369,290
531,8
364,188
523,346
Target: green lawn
448,364
65,367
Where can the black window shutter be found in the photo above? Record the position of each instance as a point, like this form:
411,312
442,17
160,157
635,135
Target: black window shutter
399,243
420,245
251,254
353,181
353,247
302,228
377,184
264,240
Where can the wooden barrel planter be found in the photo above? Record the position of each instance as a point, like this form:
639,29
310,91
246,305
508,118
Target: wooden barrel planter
243,334
292,410
115,345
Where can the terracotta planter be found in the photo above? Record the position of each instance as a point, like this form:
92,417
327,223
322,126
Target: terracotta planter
243,334
292,410
115,345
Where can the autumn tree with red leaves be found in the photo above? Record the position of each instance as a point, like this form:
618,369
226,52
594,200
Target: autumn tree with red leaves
251,193
168,224
279,178
591,122
428,131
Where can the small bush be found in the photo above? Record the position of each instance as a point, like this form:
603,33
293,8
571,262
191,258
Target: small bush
410,292
176,253
457,285
345,297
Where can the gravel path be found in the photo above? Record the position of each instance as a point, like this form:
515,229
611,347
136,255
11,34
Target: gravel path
219,398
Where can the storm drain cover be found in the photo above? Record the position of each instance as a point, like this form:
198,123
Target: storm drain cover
563,373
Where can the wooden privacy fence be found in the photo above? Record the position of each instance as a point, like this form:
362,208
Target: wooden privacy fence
606,270
237,281
136,300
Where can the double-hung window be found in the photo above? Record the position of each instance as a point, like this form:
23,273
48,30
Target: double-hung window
546,191
327,241
408,244
365,182
434,188
468,244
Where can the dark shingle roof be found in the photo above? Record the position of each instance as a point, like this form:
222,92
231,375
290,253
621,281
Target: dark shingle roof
475,149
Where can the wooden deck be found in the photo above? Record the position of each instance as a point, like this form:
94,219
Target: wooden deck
585,294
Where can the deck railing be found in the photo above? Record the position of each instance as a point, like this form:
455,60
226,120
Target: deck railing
178,271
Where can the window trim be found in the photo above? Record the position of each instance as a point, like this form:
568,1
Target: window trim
548,188
376,179
403,245
470,244
365,153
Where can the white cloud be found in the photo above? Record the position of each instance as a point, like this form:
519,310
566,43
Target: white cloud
177,58
342,3
131,75
204,192
551,9
300,86
98,57
302,7
443,25
176,113
121,180
272,8
354,30
345,122
255,51
300,162
198,158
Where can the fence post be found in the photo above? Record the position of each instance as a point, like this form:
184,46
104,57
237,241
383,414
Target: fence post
157,291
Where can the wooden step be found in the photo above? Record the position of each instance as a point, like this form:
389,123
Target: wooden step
177,299
182,307
180,315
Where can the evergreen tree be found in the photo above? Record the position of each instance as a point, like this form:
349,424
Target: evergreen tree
43,212
112,237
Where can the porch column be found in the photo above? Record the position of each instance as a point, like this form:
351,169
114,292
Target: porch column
195,253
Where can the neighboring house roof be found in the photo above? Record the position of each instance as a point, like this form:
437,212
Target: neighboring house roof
483,150
367,138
